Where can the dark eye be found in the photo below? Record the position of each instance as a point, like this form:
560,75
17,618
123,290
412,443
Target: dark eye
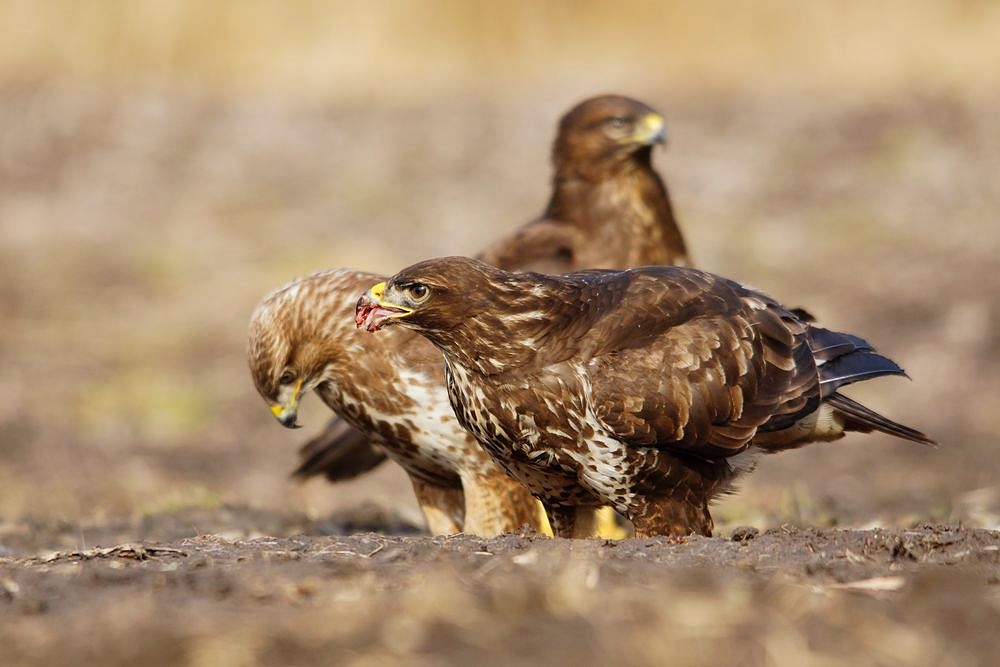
418,291
287,377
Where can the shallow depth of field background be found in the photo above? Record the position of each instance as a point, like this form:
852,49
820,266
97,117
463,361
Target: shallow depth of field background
163,165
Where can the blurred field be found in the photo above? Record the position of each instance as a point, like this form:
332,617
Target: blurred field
395,49
165,164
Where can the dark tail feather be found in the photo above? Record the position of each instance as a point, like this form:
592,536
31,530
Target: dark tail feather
855,366
859,418
826,345
340,452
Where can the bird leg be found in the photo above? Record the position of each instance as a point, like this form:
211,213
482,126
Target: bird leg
496,504
578,522
610,525
443,507
562,519
673,517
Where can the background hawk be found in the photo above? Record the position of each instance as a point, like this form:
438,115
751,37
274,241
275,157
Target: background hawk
648,390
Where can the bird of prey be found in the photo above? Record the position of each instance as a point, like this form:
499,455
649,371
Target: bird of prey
648,390
608,209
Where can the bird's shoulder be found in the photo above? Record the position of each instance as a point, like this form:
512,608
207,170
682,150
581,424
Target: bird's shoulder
543,245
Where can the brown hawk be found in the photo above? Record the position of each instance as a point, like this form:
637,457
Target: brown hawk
609,208
648,390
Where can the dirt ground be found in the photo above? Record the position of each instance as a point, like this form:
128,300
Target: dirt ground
272,589
154,188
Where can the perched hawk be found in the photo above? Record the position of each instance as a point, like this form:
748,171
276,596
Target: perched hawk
609,209
648,390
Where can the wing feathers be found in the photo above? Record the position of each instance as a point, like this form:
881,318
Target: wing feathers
717,365
737,364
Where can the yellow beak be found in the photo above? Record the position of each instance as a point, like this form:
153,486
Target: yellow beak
287,412
651,129
372,313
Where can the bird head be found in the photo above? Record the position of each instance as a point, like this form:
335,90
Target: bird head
435,294
299,339
479,316
439,299
445,299
609,129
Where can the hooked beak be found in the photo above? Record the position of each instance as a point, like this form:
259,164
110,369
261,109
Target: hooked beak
287,412
651,129
374,311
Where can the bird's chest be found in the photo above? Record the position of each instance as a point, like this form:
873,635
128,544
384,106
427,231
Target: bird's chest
543,432
533,425
417,427
625,227
484,410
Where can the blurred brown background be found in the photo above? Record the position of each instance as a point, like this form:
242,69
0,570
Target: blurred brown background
165,164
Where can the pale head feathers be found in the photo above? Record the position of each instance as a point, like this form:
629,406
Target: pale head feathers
305,326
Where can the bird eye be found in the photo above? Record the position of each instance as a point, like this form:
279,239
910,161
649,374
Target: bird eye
287,377
618,122
418,291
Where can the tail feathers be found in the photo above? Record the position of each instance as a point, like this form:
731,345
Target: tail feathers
859,418
339,453
827,345
853,367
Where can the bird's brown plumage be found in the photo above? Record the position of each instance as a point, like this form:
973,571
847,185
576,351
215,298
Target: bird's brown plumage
648,390
608,209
